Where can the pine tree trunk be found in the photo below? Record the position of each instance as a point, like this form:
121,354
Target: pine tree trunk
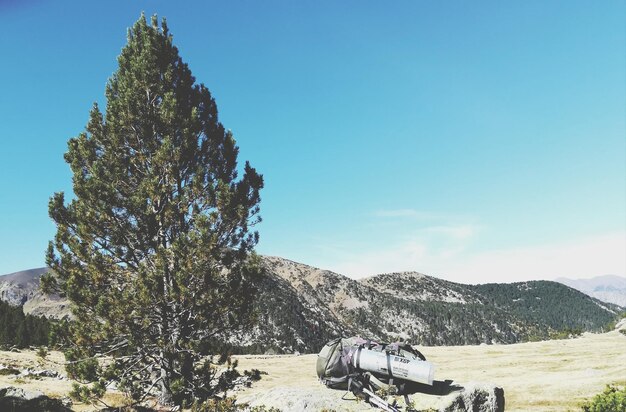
187,368
166,397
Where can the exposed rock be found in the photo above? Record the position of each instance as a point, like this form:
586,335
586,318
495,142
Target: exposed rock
8,370
66,401
42,373
22,289
477,398
21,400
16,288
13,392
298,400
444,397
50,306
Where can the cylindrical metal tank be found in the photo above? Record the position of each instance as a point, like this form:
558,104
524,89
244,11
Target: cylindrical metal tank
382,363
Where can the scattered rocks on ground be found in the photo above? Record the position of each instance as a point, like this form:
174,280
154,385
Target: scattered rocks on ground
296,399
8,370
30,372
20,400
477,398
473,397
42,373
241,383
66,401
13,392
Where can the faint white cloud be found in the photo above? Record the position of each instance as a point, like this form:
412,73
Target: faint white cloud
447,246
396,258
579,258
417,249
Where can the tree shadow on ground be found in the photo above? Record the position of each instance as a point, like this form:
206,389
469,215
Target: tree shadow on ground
439,388
41,404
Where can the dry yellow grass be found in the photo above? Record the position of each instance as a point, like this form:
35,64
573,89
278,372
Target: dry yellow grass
52,387
539,376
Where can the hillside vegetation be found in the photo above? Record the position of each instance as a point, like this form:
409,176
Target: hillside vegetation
300,308
20,330
550,304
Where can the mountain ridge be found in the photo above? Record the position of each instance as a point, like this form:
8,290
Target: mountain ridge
301,307
18,287
608,288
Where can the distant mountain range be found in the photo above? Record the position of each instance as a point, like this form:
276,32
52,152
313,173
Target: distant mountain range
22,288
608,288
300,308
19,287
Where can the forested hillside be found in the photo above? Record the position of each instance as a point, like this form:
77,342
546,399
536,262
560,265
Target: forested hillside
549,303
412,307
20,330
300,308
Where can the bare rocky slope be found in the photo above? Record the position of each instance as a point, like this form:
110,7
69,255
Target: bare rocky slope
19,287
608,288
416,308
22,289
300,308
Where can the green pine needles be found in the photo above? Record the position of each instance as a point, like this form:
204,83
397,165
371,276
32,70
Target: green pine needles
20,330
613,399
155,250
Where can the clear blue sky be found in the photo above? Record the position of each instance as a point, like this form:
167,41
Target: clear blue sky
474,141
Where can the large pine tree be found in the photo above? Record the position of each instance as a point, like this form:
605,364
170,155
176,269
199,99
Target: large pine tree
154,249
